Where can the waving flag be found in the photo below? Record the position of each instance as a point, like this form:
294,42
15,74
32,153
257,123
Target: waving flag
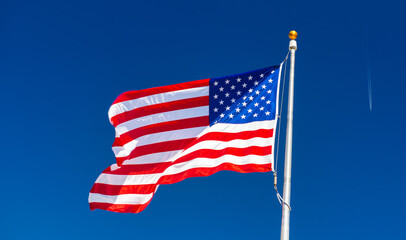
167,134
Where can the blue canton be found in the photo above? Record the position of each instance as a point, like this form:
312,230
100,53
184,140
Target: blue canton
244,97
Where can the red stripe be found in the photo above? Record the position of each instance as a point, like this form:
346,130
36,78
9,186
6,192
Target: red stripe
120,208
161,127
159,108
203,172
107,189
130,95
117,142
156,147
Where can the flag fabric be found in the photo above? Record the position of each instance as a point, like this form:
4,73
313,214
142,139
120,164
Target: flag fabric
167,134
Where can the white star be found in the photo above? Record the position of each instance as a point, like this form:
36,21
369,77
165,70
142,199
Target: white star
227,108
232,87
257,92
251,98
245,97
256,115
233,100
244,104
262,75
250,90
227,94
268,102
269,91
238,79
221,102
227,81
263,98
256,104
243,116
273,71
221,89
250,78
216,83
244,85
261,108
231,115
238,93
222,115
264,86
256,83
250,110
215,110
270,80
238,110
215,96
267,113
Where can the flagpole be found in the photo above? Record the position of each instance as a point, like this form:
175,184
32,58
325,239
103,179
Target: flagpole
288,148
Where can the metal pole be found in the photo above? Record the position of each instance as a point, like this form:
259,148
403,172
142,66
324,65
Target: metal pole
288,148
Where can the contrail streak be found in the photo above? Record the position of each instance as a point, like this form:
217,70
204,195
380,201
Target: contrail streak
369,84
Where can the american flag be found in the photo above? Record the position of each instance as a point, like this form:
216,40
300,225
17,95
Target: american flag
167,134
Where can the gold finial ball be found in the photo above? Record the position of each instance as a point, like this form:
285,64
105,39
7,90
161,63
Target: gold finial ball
293,34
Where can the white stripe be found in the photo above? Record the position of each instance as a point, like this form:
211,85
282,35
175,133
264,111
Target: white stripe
219,145
157,138
157,98
114,166
214,162
120,199
141,179
236,128
152,158
162,117
177,168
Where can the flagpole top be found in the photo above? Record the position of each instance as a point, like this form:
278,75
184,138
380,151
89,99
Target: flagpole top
292,43
293,34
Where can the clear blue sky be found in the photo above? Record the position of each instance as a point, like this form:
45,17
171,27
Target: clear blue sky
62,63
